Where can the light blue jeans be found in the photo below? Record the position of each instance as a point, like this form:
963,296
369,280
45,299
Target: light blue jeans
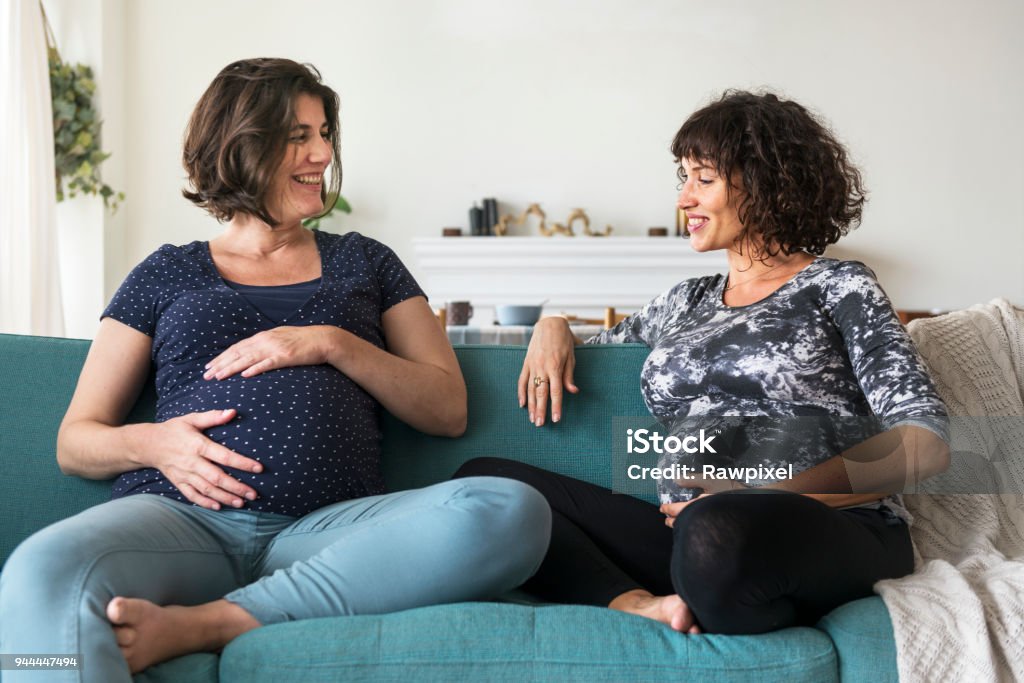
467,539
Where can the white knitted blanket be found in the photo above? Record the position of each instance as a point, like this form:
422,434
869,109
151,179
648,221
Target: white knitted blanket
960,615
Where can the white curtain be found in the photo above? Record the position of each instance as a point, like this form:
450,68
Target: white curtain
30,300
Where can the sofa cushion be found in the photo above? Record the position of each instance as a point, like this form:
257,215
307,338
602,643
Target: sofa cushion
862,633
503,642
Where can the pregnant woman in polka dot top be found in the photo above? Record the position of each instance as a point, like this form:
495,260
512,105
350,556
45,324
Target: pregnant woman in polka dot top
256,495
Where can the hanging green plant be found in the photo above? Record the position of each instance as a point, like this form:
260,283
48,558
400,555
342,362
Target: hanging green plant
76,130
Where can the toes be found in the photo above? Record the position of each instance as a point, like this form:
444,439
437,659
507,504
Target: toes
677,622
126,611
682,618
125,635
115,611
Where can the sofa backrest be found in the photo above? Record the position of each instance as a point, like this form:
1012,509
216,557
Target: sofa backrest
38,376
580,445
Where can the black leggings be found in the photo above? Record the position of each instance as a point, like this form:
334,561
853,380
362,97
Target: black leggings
745,562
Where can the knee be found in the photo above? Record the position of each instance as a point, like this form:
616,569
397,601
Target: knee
44,565
513,518
709,544
712,525
512,507
43,557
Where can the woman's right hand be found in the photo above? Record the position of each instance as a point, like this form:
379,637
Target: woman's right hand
550,357
194,463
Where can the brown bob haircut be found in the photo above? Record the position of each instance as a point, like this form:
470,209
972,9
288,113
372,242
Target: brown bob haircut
800,190
238,135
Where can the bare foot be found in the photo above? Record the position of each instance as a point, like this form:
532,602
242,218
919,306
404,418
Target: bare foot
668,609
149,634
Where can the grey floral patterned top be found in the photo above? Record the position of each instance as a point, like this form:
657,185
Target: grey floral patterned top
818,366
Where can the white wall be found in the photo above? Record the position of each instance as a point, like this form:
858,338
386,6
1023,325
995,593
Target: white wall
573,103
91,239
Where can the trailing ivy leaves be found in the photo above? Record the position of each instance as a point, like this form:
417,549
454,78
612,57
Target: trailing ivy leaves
336,202
76,133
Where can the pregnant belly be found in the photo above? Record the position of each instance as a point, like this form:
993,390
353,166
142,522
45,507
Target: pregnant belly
306,415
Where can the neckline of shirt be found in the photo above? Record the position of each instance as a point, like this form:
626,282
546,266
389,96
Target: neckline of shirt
293,285
207,256
720,289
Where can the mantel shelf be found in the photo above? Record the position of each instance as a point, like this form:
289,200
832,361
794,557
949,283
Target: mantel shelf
580,275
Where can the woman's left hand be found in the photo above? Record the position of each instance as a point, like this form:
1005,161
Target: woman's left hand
672,510
281,347
708,485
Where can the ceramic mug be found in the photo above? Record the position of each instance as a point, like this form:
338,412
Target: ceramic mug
458,312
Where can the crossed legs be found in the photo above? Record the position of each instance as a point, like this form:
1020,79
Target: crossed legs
745,562
172,578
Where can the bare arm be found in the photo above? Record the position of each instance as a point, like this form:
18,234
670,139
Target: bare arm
886,463
417,379
89,444
93,441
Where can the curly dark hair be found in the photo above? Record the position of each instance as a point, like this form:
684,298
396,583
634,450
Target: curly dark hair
238,135
801,191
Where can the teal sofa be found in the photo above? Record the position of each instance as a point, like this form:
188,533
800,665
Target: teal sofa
496,641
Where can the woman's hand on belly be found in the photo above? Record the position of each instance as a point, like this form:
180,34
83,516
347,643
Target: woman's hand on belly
708,485
281,347
190,460
672,510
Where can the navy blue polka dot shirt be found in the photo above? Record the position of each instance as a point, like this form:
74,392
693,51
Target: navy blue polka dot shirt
315,431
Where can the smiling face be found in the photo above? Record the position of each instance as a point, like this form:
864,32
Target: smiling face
296,191
711,209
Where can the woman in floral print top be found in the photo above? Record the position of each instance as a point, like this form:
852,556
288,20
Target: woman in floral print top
792,359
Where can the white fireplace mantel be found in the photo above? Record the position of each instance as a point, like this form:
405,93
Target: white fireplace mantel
580,275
